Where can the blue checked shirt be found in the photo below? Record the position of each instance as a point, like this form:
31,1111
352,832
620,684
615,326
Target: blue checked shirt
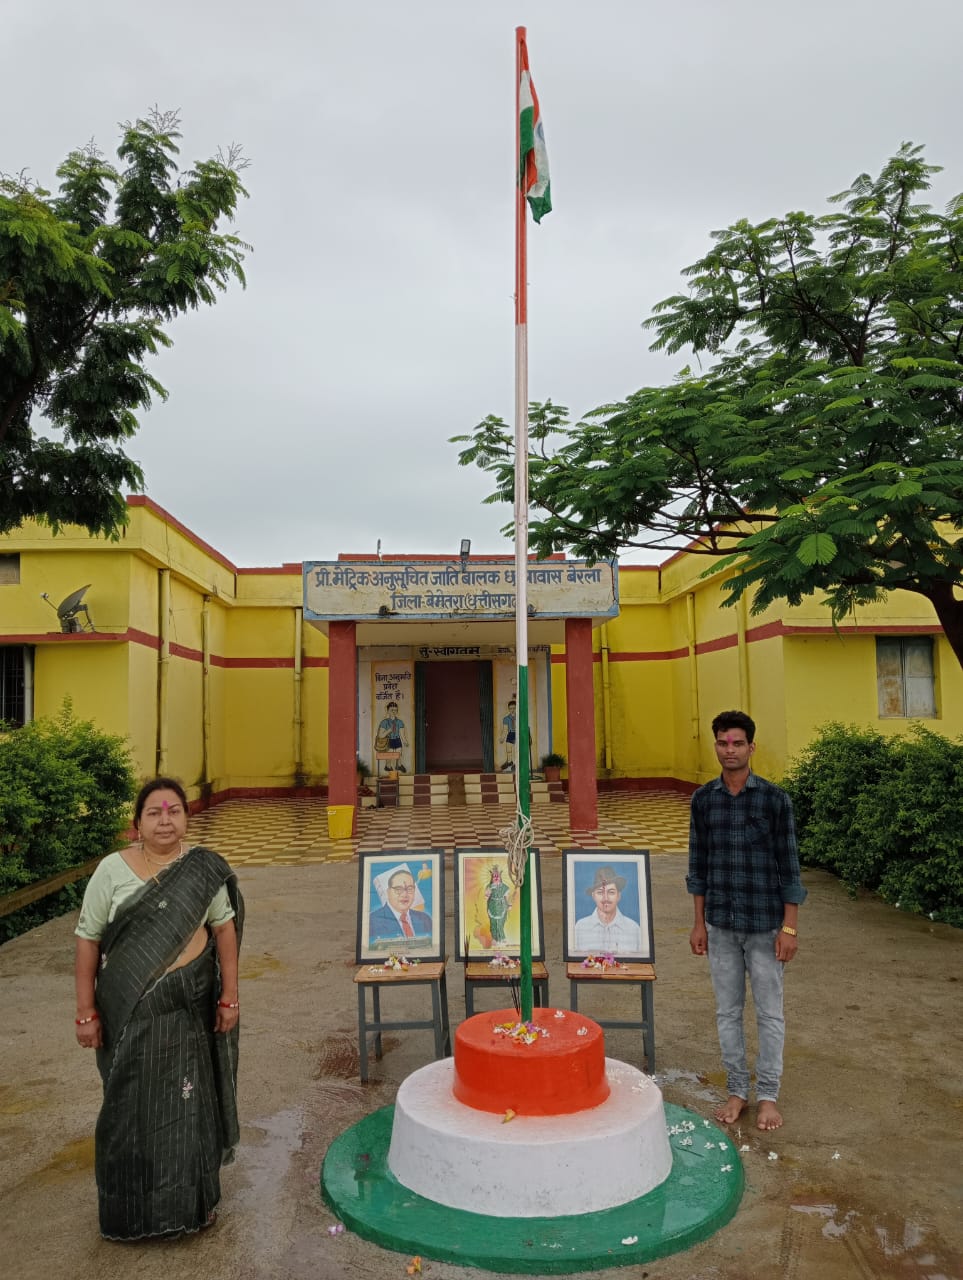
743,856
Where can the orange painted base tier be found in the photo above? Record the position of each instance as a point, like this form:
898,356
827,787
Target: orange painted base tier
561,1073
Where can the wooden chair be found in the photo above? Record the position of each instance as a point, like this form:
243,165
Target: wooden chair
479,973
640,975
373,978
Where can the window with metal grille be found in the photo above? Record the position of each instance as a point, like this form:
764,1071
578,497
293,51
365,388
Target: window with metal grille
12,685
10,569
904,676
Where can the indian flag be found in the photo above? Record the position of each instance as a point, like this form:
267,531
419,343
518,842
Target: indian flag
532,158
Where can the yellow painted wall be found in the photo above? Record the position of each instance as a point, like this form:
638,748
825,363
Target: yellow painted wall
790,682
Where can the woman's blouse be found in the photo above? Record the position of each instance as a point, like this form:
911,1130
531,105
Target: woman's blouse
112,883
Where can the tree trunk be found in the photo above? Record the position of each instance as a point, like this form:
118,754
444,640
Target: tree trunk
949,610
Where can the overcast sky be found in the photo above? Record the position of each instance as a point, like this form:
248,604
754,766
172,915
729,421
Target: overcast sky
310,413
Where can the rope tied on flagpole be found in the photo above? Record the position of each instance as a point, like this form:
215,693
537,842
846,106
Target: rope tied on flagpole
518,839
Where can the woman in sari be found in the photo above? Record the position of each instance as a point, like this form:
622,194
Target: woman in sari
498,900
156,977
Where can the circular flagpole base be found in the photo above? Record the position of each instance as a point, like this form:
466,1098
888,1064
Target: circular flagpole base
700,1195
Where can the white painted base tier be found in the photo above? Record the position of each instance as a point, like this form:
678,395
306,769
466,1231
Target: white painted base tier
533,1166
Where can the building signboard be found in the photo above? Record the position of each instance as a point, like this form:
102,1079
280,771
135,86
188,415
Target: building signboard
435,591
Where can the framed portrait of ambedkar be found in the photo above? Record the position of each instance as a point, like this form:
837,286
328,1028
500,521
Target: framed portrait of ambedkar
607,905
401,905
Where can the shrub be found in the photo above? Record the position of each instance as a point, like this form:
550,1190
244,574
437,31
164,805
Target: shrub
921,813
65,791
885,814
839,765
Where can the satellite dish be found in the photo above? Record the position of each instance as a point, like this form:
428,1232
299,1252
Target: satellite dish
68,610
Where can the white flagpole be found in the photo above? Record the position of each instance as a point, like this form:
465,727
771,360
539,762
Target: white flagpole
522,756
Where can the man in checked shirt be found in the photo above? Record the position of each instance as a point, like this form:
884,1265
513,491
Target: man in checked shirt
744,879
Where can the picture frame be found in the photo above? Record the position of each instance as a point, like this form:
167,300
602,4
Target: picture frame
622,873
380,931
475,924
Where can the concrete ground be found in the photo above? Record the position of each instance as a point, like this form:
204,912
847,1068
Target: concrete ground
864,1180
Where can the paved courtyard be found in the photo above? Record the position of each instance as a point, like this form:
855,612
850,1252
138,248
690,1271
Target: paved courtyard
294,832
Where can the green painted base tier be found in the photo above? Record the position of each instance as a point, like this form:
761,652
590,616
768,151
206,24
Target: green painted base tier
699,1196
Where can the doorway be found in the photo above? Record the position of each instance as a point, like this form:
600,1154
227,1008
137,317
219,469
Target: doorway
454,714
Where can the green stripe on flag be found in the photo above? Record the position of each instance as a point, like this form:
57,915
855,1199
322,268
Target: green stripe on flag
533,158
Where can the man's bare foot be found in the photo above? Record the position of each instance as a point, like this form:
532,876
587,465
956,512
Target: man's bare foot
767,1116
731,1109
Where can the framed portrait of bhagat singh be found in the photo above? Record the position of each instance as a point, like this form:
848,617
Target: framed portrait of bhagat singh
487,906
401,905
607,905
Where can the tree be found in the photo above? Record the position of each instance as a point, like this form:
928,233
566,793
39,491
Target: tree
88,279
822,447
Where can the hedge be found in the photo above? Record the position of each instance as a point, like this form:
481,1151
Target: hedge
65,793
885,814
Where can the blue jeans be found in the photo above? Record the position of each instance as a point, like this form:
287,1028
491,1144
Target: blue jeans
731,956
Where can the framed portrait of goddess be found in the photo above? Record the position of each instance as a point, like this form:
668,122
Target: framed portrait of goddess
401,905
488,908
607,904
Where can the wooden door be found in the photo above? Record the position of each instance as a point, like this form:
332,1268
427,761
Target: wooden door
453,731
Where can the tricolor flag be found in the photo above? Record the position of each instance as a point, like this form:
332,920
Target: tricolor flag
532,157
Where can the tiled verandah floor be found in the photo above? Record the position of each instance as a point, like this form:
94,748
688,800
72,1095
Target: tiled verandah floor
295,832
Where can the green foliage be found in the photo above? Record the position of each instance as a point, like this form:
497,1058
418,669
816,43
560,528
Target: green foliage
821,450
885,814
553,760
88,279
65,793
826,784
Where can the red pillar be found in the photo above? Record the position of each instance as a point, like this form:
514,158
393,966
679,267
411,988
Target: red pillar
342,713
580,698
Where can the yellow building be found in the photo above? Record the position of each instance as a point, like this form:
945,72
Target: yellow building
220,675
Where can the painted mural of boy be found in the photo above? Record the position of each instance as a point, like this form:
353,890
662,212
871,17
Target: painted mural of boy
507,738
392,733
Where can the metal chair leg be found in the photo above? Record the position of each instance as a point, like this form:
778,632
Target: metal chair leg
362,1037
648,1031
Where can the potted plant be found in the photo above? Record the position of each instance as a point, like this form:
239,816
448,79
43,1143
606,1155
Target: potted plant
552,765
363,770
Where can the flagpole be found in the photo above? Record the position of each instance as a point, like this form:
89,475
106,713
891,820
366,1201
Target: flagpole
522,769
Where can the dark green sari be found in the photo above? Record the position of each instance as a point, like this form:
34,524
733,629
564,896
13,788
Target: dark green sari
169,1116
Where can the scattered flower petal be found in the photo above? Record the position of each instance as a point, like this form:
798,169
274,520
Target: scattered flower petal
520,1032
414,1266
744,1147
582,1031
630,1239
723,1146
726,1168
772,1156
686,1142
837,1156
335,1229
710,1146
509,1115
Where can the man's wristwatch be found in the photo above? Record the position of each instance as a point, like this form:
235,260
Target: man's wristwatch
791,932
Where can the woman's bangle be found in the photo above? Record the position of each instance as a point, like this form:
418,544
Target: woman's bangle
82,1022
228,1004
